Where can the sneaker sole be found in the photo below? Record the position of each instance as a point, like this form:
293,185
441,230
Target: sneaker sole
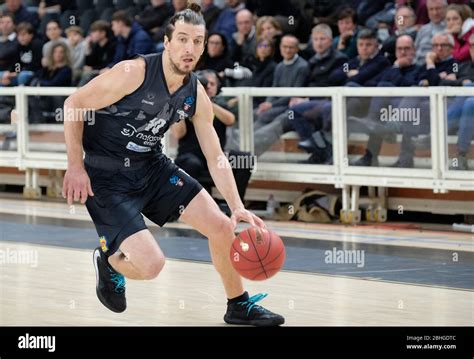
97,291
256,323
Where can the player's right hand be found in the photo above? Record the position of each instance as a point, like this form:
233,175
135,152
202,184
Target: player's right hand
76,185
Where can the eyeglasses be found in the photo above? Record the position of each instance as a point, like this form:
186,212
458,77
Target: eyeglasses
444,46
263,45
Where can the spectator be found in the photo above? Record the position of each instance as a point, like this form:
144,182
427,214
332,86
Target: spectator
346,42
293,71
460,24
57,73
244,40
100,50
436,13
29,57
225,23
264,66
269,28
362,70
19,12
131,38
403,73
404,25
77,46
53,33
216,57
154,17
8,42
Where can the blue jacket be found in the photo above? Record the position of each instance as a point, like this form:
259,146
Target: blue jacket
138,42
368,72
401,77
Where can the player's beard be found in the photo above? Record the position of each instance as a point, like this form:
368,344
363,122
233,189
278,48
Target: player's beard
175,68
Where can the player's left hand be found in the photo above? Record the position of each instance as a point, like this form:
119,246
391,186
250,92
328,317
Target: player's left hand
241,214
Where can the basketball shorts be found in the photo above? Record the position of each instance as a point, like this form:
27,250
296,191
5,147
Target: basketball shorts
159,190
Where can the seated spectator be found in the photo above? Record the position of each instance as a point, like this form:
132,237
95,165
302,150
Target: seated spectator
293,71
404,25
461,111
436,13
53,33
77,46
216,57
28,60
460,24
262,69
403,73
190,156
154,17
362,70
59,69
19,12
225,23
131,38
269,28
244,40
440,65
58,73
346,42
8,43
100,50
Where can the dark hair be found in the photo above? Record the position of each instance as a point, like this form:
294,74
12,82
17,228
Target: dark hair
25,26
100,25
367,34
191,15
347,12
122,16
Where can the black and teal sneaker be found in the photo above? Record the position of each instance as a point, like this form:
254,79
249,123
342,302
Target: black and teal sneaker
247,312
110,285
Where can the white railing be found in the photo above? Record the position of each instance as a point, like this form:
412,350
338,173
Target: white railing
340,174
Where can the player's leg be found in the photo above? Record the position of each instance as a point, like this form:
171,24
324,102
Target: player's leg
140,257
203,214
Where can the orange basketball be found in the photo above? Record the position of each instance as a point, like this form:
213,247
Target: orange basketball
256,254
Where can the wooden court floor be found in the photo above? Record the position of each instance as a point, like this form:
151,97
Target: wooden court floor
59,289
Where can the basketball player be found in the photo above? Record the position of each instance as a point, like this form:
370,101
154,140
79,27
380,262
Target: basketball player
125,174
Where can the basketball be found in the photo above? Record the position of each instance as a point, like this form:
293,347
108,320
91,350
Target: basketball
256,254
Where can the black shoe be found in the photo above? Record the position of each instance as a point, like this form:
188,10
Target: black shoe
366,160
110,285
249,313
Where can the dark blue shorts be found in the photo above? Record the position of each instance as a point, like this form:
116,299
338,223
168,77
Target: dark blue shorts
159,189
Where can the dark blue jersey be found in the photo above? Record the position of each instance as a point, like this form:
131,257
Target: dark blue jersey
132,128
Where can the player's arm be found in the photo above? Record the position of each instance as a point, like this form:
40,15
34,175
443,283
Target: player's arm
219,167
104,90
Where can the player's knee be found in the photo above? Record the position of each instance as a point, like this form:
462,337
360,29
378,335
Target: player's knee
223,227
153,268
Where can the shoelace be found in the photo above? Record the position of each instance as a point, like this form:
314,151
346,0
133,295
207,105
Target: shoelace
251,303
118,280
